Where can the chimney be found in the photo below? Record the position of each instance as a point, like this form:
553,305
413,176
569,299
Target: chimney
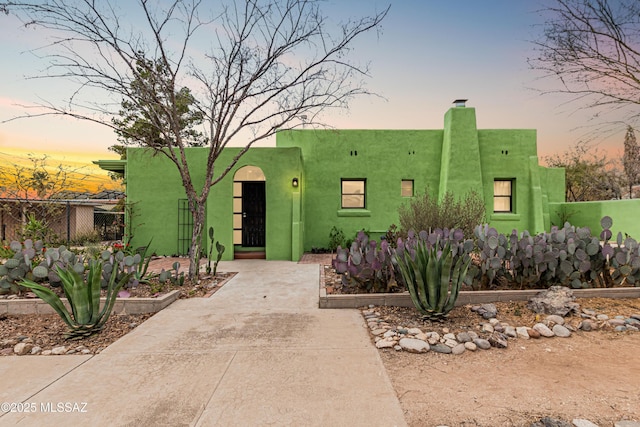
460,102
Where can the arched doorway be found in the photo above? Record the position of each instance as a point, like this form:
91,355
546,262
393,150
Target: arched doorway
249,211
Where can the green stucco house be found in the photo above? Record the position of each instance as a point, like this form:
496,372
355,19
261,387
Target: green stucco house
284,200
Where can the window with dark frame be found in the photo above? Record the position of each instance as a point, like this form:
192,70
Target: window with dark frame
503,195
406,188
353,193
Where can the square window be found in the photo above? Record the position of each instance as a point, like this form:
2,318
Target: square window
503,195
353,195
406,188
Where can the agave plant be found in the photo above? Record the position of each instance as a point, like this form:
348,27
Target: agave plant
86,317
433,276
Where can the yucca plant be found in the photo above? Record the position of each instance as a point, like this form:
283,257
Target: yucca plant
432,276
86,317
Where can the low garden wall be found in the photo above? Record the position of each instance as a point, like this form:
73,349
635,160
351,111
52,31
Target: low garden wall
122,305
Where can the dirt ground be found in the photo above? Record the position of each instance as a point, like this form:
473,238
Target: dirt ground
591,375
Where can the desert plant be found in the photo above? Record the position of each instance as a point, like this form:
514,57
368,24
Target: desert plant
35,229
433,276
135,264
219,249
425,212
336,238
174,275
365,266
83,295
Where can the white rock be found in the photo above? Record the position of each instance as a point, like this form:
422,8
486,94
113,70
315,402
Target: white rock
386,344
389,333
414,331
449,336
46,353
493,321
413,345
522,332
22,348
59,350
378,331
36,350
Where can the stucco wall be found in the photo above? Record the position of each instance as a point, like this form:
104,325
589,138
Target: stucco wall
154,187
588,214
383,157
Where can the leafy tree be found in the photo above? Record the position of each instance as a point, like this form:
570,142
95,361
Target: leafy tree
589,174
631,160
270,63
28,186
592,48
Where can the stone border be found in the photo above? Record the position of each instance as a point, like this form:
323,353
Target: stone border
122,305
465,297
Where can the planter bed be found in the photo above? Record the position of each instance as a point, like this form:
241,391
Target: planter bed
122,305
466,297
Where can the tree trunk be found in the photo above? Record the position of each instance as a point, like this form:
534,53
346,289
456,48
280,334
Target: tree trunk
195,250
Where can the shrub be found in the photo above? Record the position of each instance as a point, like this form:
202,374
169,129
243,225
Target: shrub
425,212
336,238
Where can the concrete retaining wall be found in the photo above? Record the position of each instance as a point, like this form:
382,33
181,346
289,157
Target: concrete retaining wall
465,297
122,305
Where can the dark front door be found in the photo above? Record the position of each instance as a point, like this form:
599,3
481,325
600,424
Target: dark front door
253,214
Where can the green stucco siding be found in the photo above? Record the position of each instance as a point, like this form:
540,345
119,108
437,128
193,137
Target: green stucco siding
588,214
384,158
154,187
457,159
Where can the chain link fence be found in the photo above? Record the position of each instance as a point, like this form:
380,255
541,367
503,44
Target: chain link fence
58,222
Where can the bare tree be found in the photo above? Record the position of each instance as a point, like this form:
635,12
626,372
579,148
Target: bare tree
270,63
592,48
29,191
631,160
589,174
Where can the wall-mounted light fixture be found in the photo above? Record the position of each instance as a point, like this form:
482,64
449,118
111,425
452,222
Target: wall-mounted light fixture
294,182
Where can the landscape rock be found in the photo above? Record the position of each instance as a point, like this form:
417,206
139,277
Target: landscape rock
533,333
22,348
470,346
561,331
463,337
522,332
482,343
543,330
486,310
554,319
59,350
557,300
458,349
441,348
413,345
550,422
511,332
498,340
583,423
383,344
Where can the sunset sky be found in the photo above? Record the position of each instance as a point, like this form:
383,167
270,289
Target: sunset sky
427,54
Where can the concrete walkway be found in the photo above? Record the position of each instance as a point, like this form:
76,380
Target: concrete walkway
258,352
